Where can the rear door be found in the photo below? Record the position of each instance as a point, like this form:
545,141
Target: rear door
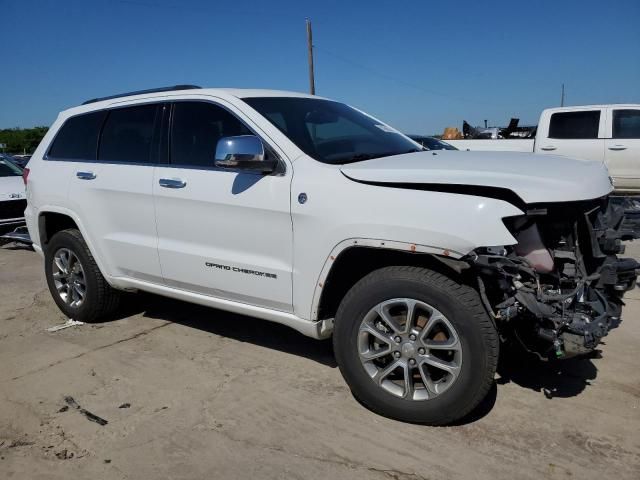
222,233
112,194
622,150
577,134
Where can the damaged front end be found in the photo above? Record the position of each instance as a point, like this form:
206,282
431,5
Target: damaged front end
559,290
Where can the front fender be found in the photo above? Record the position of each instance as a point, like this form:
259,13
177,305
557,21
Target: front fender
332,219
370,243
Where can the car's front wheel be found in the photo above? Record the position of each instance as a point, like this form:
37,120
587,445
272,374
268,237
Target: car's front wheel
415,345
75,281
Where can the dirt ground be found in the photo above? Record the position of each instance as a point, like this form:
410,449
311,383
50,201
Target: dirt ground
193,393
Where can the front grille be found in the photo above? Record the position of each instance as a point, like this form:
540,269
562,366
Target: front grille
12,209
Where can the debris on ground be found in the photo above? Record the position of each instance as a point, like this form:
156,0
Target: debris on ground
67,324
63,409
91,416
20,443
64,454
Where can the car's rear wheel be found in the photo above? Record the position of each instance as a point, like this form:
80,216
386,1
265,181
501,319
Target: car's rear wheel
75,281
415,345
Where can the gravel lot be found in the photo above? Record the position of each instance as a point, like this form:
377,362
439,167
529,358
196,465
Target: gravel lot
193,393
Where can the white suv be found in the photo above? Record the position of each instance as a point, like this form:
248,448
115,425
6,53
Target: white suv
310,213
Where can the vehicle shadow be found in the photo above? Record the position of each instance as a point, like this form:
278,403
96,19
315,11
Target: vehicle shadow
226,324
555,379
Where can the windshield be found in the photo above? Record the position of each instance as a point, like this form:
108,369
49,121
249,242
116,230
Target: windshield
8,169
331,132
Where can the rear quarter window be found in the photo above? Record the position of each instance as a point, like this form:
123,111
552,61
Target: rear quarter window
77,139
574,125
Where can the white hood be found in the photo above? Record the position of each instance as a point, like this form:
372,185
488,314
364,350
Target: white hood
534,178
11,188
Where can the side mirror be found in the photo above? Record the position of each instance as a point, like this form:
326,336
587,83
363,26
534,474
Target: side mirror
243,152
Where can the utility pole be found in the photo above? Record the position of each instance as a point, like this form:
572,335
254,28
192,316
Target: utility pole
312,83
562,97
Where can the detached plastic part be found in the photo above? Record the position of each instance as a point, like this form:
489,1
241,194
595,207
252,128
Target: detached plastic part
530,246
67,324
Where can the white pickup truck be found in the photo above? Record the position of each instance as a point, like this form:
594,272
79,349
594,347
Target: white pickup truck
600,133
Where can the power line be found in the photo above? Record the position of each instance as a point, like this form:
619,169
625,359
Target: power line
395,79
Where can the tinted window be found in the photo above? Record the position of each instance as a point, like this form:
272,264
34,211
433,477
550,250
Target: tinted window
127,135
331,132
197,127
574,124
626,124
78,137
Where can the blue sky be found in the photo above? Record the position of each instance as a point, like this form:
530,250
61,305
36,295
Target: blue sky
419,65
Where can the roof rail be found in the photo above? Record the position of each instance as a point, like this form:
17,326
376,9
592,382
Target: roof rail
141,92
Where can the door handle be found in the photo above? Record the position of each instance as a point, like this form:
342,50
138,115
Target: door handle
86,175
617,147
172,183
548,148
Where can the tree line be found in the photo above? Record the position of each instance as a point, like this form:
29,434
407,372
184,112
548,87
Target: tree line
21,140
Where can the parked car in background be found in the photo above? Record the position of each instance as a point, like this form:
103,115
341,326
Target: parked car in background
12,196
21,160
608,134
10,158
432,143
307,212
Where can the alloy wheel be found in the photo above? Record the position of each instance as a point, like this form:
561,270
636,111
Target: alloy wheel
410,349
69,278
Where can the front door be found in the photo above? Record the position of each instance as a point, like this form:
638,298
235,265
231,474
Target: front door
576,134
222,233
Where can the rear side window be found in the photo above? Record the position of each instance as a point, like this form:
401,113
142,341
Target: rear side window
574,124
127,135
626,124
78,137
196,129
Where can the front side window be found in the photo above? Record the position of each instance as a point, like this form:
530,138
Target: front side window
127,135
331,132
626,124
196,129
574,125
77,139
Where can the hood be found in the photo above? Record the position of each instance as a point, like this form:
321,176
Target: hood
533,178
11,188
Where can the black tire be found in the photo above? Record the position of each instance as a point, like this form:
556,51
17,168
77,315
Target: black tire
463,308
101,300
